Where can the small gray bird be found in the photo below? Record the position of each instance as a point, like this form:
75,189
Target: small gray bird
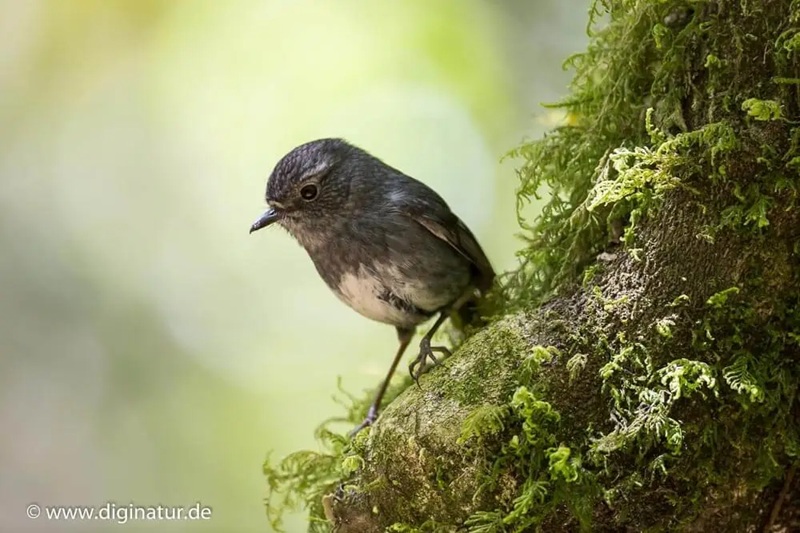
386,244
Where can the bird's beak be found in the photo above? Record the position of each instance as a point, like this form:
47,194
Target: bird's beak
269,216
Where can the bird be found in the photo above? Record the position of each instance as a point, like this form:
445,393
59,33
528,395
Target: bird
386,244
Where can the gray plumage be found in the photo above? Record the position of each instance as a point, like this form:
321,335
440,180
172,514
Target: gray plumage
385,243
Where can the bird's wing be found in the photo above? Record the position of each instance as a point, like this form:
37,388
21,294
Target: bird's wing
435,216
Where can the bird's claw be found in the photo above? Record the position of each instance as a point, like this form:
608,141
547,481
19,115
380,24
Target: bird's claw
419,365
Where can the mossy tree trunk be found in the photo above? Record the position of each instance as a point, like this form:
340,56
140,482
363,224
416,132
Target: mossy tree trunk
642,369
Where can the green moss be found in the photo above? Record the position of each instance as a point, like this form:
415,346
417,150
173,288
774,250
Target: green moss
712,61
738,358
590,273
485,421
664,327
762,109
600,168
550,474
575,364
626,142
719,299
431,526
303,478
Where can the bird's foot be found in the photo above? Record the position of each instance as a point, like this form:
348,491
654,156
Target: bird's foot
420,365
372,415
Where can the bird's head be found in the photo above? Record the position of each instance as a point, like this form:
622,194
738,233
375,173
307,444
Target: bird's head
309,187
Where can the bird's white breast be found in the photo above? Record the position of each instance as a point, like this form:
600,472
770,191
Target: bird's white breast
361,290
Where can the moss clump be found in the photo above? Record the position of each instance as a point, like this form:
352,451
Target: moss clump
314,480
631,131
762,109
549,474
303,479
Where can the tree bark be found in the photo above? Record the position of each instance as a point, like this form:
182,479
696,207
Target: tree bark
642,373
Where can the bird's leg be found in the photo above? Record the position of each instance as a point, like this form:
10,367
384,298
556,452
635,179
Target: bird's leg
404,335
418,365
426,351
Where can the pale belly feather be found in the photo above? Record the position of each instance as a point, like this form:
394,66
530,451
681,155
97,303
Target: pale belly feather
365,292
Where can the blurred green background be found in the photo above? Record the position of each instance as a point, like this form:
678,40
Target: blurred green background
150,349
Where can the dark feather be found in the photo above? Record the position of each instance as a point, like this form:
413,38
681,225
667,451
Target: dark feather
455,233
421,203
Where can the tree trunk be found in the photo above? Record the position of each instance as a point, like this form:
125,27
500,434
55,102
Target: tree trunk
642,369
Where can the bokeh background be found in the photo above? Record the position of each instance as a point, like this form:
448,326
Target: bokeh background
151,351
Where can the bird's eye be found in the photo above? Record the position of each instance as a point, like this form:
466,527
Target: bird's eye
309,192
